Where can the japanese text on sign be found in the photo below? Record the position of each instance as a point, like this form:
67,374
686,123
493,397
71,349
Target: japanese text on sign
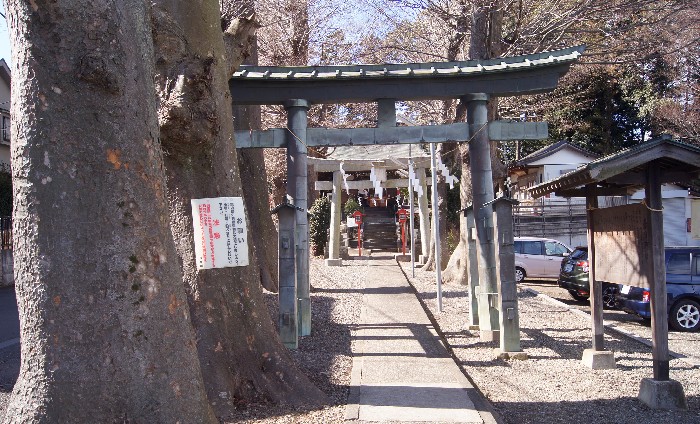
220,232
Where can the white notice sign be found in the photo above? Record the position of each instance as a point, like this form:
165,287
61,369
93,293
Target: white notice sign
220,233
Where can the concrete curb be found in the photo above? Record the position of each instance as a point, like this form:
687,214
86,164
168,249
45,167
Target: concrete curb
352,407
612,327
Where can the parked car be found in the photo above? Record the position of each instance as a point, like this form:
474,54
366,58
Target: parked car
573,277
682,290
538,257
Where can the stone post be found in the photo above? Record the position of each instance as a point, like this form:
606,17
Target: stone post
436,228
297,177
289,332
336,206
482,193
507,290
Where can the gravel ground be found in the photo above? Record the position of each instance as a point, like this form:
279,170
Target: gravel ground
553,386
683,343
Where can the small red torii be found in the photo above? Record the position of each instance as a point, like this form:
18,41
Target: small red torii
403,217
358,220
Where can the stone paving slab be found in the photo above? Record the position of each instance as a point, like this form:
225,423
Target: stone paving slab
401,370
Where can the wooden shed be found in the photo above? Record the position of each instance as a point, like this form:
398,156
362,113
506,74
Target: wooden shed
632,238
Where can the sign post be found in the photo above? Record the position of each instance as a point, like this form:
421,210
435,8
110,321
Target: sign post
358,220
221,235
403,217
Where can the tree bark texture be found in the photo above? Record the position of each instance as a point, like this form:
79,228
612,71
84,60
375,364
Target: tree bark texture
484,43
240,352
254,178
262,228
105,328
457,270
442,216
298,12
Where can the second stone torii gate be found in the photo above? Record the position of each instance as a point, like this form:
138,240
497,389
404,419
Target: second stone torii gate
474,82
420,163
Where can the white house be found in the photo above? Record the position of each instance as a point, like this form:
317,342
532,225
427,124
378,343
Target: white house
564,219
679,203
543,165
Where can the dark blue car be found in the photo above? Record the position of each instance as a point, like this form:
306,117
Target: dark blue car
682,288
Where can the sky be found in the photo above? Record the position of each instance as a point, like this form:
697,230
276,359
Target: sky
4,37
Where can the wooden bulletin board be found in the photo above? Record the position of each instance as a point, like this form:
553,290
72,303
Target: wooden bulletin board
622,240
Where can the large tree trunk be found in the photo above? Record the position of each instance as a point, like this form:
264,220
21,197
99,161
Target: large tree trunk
263,232
454,47
456,270
105,327
241,355
442,220
484,43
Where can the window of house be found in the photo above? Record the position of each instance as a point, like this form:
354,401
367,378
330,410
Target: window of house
6,129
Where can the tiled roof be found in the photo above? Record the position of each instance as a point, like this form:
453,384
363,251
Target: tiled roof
411,70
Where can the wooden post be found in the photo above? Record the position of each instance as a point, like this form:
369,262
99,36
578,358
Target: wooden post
660,392
297,176
472,269
507,291
336,206
289,332
597,357
596,295
482,193
659,306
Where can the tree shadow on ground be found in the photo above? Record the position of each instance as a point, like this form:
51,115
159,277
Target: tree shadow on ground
317,355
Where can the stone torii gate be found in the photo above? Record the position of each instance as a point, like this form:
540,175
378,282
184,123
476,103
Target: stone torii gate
473,82
387,159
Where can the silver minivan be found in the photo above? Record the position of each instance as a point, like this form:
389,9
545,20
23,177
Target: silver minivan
537,257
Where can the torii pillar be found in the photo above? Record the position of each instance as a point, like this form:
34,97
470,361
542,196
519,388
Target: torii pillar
423,216
472,268
507,291
336,205
483,193
297,177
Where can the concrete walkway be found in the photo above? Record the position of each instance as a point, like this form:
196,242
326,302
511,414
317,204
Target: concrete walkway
401,370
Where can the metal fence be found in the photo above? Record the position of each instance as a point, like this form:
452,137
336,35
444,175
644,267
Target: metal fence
558,221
